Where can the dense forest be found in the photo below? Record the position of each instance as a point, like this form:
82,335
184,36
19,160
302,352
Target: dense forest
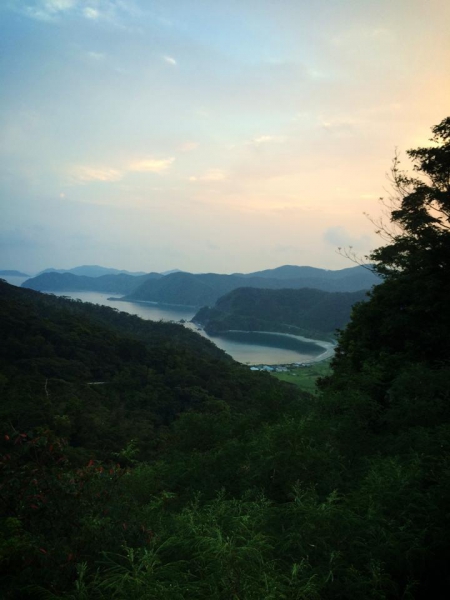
140,462
307,312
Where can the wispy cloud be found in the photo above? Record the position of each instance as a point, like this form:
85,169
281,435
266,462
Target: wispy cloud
266,139
151,165
340,124
210,176
170,60
83,174
93,10
91,13
47,10
59,5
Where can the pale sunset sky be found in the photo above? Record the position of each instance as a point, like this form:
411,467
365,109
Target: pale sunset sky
205,135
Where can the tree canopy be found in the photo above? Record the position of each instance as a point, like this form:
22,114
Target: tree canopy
406,319
421,211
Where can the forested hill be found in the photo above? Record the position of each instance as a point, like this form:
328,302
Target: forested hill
206,289
307,312
68,282
55,352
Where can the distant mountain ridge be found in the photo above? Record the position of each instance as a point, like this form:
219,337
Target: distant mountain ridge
205,288
92,271
12,273
67,282
308,312
296,272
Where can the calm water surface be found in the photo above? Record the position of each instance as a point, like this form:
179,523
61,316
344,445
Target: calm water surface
251,348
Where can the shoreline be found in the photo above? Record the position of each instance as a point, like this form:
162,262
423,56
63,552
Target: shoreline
328,347
151,302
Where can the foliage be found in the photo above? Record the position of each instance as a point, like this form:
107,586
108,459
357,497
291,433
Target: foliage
421,210
307,312
406,320
186,476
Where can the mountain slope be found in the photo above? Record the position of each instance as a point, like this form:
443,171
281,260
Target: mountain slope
207,288
55,348
309,312
295,272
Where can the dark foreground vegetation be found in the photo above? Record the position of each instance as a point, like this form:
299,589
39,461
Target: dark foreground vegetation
185,476
305,377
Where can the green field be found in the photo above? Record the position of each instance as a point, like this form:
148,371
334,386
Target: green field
305,377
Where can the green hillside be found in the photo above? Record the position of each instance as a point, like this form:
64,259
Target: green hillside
307,312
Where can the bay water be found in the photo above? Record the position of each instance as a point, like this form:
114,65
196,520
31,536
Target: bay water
252,348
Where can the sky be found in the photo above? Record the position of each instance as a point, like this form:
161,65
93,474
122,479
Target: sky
209,136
